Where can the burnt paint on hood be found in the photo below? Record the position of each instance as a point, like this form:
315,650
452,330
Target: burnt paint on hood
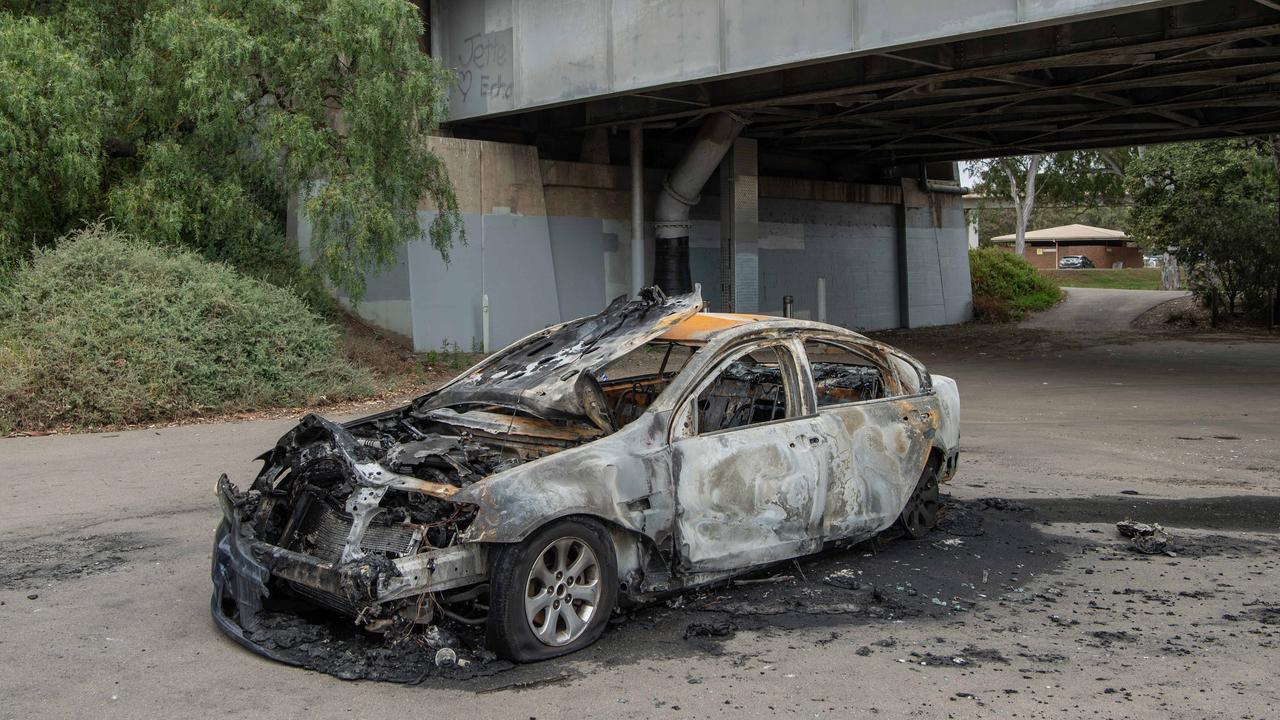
550,373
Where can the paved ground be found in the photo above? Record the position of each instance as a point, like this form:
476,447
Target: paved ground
1093,309
104,552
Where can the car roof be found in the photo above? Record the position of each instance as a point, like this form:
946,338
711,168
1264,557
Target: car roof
704,327
701,327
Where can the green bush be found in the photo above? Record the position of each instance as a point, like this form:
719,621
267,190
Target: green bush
105,329
1006,286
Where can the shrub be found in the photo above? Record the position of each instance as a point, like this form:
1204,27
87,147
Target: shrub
105,329
1006,286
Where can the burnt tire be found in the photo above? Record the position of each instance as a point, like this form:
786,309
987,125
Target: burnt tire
920,514
553,593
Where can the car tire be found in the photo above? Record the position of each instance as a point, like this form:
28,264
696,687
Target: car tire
534,613
920,514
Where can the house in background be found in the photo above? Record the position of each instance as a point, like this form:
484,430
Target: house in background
1106,248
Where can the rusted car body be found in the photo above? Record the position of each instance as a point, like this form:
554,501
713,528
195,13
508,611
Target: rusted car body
773,438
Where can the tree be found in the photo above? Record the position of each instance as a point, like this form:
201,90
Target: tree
1083,178
1213,203
51,113
191,122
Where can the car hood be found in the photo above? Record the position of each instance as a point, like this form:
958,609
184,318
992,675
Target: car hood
550,373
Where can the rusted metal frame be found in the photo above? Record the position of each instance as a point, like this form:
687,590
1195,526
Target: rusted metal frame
1148,82
1092,91
1081,124
1087,88
1083,90
1181,103
1076,59
1250,126
663,98
1076,89
1174,58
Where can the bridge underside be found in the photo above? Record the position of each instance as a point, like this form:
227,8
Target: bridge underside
1182,72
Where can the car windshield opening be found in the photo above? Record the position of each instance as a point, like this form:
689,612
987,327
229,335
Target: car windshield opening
632,382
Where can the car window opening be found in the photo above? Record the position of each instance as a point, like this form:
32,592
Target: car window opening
841,375
749,391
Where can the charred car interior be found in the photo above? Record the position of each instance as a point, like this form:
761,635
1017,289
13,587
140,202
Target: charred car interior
614,459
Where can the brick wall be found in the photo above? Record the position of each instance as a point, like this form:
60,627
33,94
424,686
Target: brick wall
1103,256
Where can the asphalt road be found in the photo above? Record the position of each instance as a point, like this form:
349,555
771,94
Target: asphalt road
1094,309
104,558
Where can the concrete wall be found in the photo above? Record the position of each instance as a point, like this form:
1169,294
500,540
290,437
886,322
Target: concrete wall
549,241
934,258
521,54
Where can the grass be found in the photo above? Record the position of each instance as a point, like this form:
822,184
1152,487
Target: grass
1122,279
1006,286
108,330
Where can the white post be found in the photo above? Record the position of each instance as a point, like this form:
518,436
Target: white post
637,209
484,321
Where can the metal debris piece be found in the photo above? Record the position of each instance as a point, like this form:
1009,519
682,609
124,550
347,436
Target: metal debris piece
1149,539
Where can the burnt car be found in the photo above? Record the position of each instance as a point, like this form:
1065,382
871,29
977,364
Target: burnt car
614,459
1075,262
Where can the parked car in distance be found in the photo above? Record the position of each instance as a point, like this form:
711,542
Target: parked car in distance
1075,262
617,458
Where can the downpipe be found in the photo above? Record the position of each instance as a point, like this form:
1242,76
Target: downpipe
681,191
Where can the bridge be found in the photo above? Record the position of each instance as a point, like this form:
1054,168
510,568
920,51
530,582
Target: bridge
872,81
782,154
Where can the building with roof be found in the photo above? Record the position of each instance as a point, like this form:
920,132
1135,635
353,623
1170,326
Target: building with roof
1105,248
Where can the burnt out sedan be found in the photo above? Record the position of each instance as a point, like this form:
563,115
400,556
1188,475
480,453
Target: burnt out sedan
614,459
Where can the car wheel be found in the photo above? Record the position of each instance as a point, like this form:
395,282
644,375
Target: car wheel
921,511
553,593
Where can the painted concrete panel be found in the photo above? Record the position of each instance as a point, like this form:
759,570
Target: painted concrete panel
508,257
479,47
924,278
386,303
1038,10
851,246
578,251
685,37
445,301
563,50
882,24
521,54
937,248
519,276
760,33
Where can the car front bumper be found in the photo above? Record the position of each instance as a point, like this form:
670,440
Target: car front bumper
243,567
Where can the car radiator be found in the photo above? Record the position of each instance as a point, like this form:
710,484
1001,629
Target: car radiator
324,532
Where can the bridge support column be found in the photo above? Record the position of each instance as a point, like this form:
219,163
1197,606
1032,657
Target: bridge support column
933,256
740,228
637,210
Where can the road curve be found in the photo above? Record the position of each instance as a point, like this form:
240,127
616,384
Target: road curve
1099,309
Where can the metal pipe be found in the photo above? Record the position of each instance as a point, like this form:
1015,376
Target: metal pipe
680,192
637,209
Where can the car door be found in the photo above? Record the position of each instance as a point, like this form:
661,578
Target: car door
879,421
747,469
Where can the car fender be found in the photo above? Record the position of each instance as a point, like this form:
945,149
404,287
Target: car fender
623,479
947,438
